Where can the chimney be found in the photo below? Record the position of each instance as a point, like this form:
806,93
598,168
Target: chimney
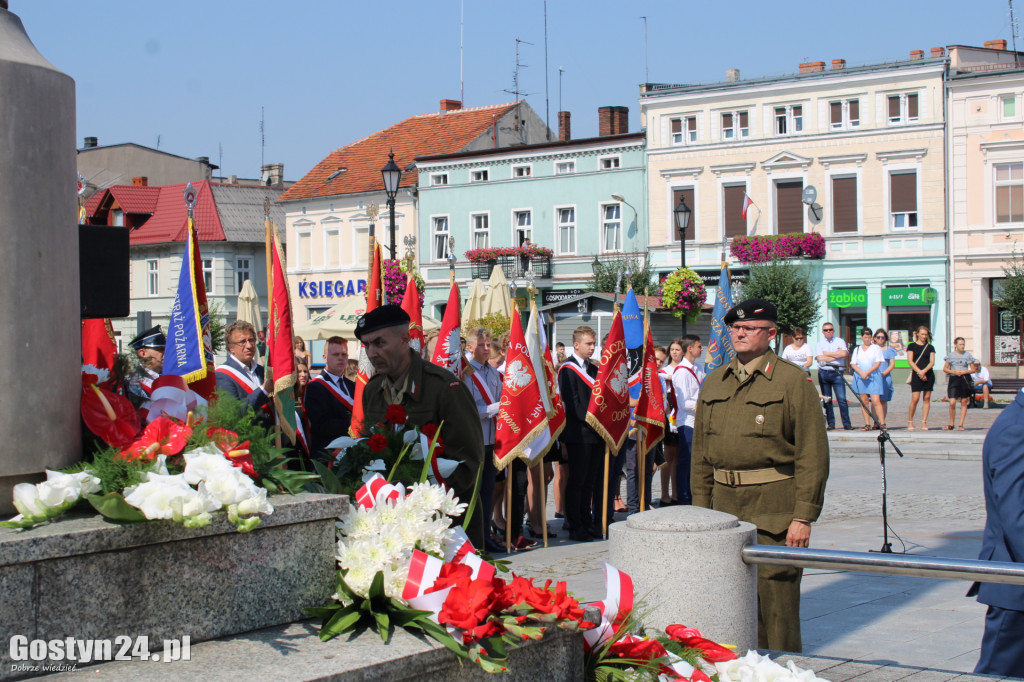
812,67
916,55
140,181
233,179
938,52
604,121
838,64
91,142
732,75
620,120
450,105
272,174
995,44
564,127
203,159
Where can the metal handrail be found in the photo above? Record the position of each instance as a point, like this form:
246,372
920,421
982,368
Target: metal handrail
891,564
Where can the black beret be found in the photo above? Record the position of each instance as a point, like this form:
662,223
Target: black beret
380,318
151,338
752,309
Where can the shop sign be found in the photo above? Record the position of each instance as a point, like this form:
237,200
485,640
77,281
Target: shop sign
710,277
1007,323
559,296
331,288
908,296
847,298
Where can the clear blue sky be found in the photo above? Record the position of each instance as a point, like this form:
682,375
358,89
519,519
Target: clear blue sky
328,72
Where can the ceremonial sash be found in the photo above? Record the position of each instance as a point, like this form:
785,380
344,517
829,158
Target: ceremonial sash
670,391
341,396
572,366
243,379
300,434
690,370
482,387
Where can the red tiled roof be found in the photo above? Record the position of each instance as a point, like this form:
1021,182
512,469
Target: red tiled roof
93,202
135,199
169,213
425,134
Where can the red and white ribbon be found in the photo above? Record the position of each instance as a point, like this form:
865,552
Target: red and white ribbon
376,490
459,550
616,607
171,396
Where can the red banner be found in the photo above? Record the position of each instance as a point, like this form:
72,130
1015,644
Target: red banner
522,417
650,408
608,412
411,305
280,348
374,291
98,346
448,351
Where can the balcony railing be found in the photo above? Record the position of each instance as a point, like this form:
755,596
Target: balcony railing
515,267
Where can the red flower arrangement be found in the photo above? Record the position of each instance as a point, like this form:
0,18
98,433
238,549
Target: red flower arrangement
378,442
395,414
761,249
163,436
237,453
493,253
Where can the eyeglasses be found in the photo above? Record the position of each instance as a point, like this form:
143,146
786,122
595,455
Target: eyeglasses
830,329
746,329
798,338
245,342
881,336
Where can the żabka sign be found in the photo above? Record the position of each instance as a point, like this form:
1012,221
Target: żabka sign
331,288
847,298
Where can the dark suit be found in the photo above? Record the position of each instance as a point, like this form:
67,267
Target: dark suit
256,399
328,417
1002,461
583,445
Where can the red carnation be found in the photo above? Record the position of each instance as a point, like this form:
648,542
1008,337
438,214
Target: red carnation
691,637
395,415
378,442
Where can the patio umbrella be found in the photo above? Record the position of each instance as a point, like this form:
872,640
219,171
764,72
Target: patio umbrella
249,310
474,301
497,299
341,320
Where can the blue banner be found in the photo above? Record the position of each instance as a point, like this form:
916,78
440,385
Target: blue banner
720,350
184,355
633,330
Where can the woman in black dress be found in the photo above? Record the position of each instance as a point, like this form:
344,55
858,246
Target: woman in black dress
921,358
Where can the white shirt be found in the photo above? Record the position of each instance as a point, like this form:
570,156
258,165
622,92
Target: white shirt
492,380
826,346
981,376
797,356
686,381
865,359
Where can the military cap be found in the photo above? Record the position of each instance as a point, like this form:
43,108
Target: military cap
151,338
381,318
752,309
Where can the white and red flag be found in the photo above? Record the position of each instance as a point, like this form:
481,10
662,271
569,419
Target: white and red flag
608,412
747,203
448,351
522,426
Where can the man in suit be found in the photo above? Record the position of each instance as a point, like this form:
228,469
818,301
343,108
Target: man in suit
760,452
1002,463
584,447
242,377
328,397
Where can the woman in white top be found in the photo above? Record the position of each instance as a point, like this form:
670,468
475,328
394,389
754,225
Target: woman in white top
798,352
668,477
867,377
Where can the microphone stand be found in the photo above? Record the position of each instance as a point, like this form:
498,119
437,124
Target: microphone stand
883,436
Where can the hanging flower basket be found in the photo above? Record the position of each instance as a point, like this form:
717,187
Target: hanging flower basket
684,294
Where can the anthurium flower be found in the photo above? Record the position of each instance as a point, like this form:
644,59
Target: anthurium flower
162,436
237,453
109,415
637,648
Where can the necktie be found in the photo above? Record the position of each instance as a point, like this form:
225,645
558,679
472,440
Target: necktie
742,374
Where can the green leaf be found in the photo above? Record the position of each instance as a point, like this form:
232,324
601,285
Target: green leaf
442,636
343,621
113,506
376,587
327,477
383,625
21,523
325,612
342,587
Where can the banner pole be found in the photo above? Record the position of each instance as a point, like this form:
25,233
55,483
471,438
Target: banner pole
508,507
642,466
543,503
604,507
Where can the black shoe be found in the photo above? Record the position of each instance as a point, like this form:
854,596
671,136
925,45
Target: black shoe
848,428
596,533
538,536
580,536
559,515
494,548
830,428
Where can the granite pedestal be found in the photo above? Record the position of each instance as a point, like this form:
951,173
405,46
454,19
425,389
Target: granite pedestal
686,567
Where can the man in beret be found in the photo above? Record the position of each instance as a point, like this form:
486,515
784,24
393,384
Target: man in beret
149,348
760,452
430,395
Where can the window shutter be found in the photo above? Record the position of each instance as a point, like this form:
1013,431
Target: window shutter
911,106
903,192
894,106
744,120
835,112
789,207
677,126
854,107
732,210
844,205
691,229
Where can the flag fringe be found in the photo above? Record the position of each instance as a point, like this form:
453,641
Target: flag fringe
605,435
519,451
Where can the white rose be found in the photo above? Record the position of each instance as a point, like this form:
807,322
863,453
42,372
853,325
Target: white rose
59,490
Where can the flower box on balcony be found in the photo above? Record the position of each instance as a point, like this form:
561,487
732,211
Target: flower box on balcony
762,249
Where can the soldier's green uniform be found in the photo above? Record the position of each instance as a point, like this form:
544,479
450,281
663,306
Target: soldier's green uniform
434,395
760,452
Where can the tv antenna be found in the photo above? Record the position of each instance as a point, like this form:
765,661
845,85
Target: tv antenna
517,93
1013,34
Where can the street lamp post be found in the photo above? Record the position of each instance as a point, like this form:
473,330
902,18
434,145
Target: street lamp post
682,215
392,175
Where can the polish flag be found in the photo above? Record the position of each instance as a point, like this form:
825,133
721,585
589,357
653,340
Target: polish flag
747,203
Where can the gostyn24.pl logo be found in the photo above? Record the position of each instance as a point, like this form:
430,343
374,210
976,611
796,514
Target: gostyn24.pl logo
72,650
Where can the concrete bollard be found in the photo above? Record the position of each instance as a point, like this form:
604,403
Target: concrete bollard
686,567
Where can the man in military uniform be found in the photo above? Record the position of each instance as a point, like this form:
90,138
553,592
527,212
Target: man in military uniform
760,452
430,394
149,348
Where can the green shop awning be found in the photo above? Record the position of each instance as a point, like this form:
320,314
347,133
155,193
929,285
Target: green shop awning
908,296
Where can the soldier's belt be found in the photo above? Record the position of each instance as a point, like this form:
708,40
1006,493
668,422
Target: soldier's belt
753,476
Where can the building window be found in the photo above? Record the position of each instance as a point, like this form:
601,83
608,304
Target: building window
732,209
479,175
117,217
332,245
305,250
567,230
684,130
789,206
789,120
903,201
440,241
691,227
438,179
208,275
152,277
481,230
902,108
521,171
611,228
1009,107
735,124
609,163
565,168
844,205
523,221
1010,192
362,248
243,271
844,113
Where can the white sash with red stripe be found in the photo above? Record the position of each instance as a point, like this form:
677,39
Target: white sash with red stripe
573,367
340,394
482,387
248,382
